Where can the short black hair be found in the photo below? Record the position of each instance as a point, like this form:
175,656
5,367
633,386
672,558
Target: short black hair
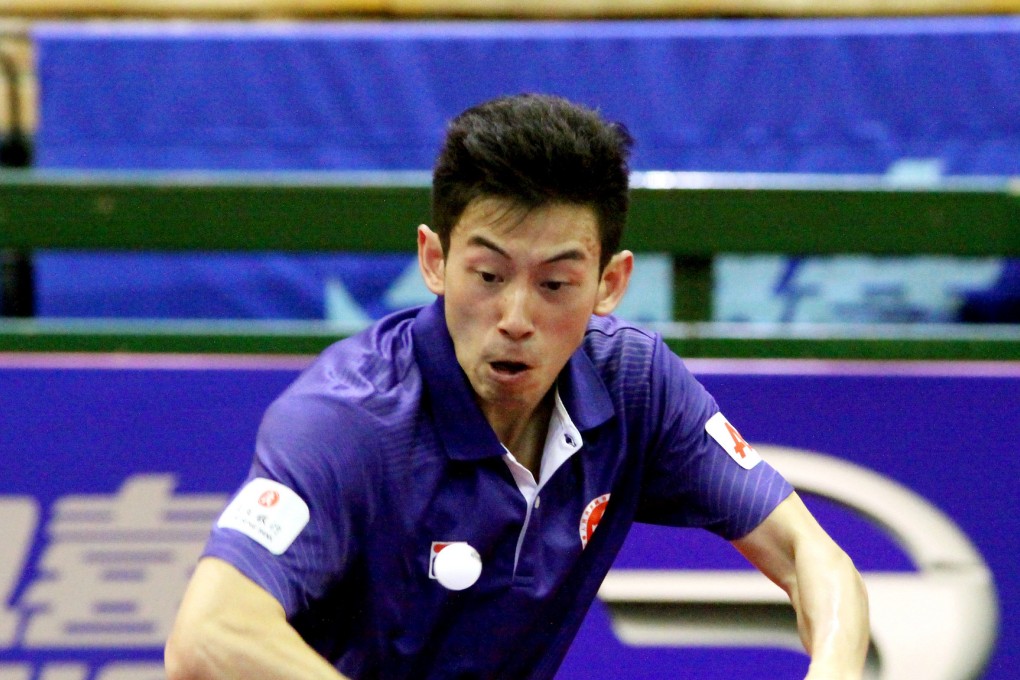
534,150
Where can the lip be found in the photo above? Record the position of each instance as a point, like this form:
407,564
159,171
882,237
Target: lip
508,377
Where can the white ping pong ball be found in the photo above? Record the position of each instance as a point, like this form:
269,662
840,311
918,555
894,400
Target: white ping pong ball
457,566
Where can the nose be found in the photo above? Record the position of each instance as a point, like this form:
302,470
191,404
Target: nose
515,321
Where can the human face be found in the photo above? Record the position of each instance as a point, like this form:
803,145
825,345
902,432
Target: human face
520,287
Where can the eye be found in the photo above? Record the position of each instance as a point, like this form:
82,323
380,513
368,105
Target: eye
488,277
554,285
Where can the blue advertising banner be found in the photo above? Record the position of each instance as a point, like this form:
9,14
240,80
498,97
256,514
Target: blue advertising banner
115,466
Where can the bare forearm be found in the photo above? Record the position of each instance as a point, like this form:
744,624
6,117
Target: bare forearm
832,614
824,587
228,627
215,651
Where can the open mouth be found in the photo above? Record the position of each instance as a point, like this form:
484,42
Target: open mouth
509,367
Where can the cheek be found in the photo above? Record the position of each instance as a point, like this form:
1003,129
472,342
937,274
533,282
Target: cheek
465,318
569,325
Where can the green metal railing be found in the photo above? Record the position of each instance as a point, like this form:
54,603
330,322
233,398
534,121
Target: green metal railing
691,216
687,214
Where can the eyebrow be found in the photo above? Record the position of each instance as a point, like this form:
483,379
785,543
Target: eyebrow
571,254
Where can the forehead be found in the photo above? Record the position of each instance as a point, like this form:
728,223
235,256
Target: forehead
551,225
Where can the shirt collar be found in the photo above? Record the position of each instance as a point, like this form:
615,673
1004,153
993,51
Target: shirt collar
584,395
463,428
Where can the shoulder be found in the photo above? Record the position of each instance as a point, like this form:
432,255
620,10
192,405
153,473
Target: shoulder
365,371
628,357
619,346
640,370
374,360
356,390
612,342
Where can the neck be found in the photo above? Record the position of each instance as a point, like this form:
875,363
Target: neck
524,434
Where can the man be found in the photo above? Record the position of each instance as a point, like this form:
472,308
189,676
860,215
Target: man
514,418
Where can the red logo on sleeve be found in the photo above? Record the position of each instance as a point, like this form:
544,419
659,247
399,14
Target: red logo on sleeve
269,498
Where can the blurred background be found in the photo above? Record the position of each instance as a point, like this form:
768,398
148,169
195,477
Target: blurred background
875,100
198,195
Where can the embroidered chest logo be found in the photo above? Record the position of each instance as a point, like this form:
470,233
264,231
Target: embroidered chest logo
591,517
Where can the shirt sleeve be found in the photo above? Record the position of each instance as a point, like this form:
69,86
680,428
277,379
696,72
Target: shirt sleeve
689,478
309,446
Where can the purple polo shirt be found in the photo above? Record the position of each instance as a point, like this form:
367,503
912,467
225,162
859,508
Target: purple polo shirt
382,440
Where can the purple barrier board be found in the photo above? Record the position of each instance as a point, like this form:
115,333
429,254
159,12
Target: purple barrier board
115,466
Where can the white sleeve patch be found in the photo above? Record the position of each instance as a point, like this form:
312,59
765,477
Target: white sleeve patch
728,437
267,512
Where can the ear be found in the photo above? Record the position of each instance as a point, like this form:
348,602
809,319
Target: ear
431,261
615,279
